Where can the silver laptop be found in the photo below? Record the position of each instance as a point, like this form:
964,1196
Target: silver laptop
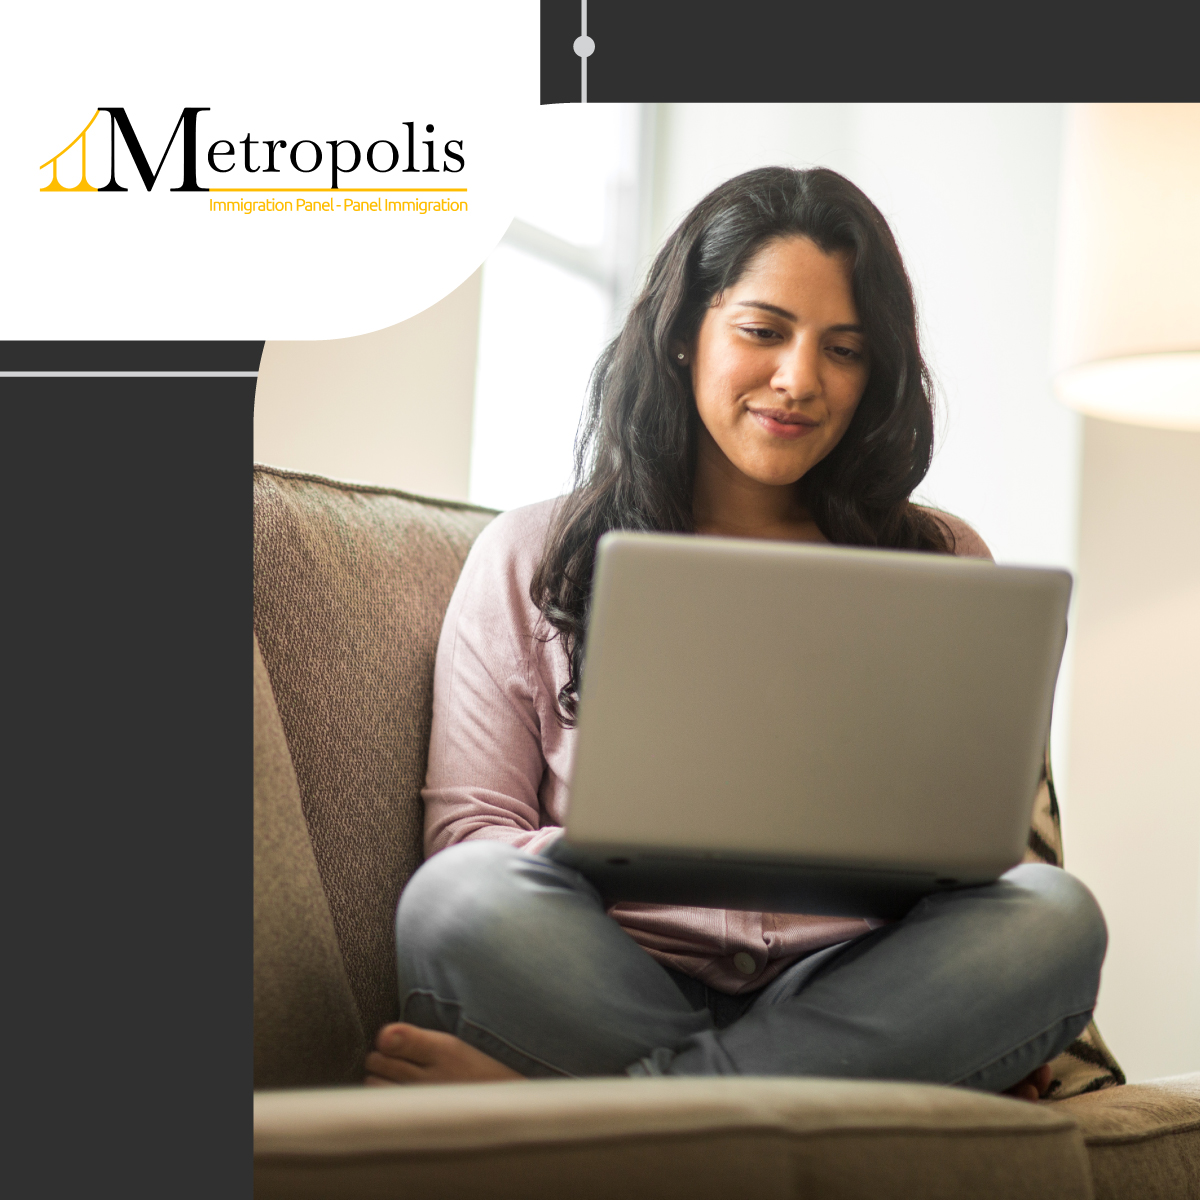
797,728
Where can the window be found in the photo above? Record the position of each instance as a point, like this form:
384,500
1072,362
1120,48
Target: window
554,292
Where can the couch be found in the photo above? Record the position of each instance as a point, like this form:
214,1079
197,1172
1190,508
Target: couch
350,585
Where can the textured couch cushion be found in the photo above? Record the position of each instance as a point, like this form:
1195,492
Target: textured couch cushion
306,1025
350,586
1143,1139
665,1138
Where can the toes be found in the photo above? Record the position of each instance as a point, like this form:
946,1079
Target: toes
396,1070
408,1054
426,1047
388,1036
402,1040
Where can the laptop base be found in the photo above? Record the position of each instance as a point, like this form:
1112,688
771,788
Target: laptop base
719,881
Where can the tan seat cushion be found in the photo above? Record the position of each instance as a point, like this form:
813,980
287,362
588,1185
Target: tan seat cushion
689,1139
350,586
306,1025
1143,1139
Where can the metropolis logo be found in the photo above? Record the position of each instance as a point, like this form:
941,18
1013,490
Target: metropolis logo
264,164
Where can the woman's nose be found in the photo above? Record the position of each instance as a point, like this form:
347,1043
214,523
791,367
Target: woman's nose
797,371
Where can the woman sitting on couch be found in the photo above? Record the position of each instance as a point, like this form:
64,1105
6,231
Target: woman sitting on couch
767,383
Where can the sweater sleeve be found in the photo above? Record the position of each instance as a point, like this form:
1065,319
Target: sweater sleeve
486,764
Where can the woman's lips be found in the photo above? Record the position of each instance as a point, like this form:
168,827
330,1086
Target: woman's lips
783,424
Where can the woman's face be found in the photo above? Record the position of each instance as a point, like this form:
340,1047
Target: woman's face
779,363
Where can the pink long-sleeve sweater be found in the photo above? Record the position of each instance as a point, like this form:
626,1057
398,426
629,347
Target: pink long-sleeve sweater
499,759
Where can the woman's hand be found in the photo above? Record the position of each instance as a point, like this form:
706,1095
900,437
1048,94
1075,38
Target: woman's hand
1033,1086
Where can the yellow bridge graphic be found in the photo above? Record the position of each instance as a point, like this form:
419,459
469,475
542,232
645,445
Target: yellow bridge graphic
82,185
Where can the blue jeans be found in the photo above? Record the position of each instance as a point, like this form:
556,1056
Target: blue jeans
514,954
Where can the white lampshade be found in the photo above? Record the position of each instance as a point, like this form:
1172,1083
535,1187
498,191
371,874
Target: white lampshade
1127,320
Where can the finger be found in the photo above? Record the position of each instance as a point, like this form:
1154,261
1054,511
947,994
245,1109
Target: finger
378,1081
1042,1078
398,1070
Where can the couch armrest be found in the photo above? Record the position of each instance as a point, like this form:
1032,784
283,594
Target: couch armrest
1143,1139
664,1138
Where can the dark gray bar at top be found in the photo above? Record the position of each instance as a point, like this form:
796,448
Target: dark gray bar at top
665,50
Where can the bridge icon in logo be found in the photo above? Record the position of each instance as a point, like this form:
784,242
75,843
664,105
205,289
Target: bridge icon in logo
82,185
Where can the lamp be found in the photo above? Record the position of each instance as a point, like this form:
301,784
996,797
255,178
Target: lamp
1127,319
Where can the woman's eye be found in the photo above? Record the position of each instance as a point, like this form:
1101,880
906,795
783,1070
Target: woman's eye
849,353
760,332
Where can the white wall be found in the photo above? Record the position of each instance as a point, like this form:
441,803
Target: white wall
1134,828
392,407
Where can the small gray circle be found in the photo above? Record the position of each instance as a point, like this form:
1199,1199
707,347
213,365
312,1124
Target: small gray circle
584,46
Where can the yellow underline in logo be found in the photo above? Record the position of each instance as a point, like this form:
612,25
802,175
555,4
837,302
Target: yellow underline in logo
332,190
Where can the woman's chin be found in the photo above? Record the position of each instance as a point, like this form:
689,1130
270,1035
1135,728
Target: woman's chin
774,474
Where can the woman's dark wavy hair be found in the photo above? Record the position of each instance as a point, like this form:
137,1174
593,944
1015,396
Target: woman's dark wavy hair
635,453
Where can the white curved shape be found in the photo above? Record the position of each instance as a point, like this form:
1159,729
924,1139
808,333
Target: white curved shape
1162,390
161,264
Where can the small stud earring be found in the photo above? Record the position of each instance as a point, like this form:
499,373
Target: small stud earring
680,356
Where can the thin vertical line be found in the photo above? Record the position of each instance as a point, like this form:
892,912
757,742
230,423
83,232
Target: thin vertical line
583,57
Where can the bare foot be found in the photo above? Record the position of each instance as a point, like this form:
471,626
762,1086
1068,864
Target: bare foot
1033,1086
408,1054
